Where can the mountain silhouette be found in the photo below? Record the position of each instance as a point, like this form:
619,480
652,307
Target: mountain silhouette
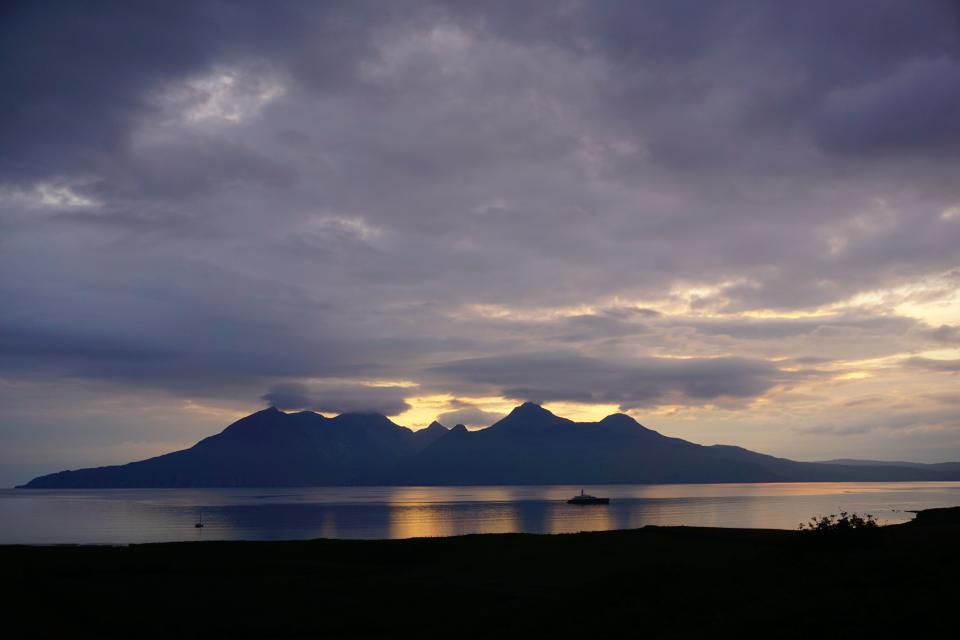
270,448
528,446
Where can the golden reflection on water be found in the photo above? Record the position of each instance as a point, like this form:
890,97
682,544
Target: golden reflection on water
426,521
125,516
574,518
328,527
445,511
420,496
774,489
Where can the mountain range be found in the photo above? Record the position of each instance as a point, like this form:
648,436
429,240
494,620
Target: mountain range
529,446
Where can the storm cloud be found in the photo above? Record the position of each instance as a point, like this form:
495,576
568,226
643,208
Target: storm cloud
338,398
398,207
629,384
947,366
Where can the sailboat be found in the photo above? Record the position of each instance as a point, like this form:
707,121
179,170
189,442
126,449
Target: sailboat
199,523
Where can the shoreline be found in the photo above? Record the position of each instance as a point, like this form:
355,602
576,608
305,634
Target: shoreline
649,527
664,582
463,536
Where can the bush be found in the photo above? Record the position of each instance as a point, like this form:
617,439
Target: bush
845,522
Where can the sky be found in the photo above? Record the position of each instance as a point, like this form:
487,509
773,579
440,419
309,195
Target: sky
737,221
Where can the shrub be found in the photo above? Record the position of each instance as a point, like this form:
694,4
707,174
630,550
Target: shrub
845,522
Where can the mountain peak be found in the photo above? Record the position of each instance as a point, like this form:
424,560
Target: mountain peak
624,424
270,416
528,416
433,432
263,425
530,409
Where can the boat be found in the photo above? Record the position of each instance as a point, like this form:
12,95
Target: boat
585,498
199,523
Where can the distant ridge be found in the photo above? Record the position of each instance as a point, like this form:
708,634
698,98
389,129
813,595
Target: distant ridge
528,446
941,466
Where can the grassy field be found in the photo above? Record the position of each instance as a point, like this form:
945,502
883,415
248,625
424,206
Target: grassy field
651,583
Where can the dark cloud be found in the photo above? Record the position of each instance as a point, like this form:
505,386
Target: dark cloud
898,421
868,401
79,77
948,366
831,429
338,398
944,398
777,328
949,334
629,383
911,109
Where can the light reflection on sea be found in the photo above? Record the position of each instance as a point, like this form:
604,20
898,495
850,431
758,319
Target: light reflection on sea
121,516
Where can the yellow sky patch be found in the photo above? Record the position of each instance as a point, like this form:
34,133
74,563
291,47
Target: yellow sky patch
854,375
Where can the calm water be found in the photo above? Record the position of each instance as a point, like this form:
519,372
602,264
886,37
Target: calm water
119,516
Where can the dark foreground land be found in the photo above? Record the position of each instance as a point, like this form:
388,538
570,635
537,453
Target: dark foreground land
651,583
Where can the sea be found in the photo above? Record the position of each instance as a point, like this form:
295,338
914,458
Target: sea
131,516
